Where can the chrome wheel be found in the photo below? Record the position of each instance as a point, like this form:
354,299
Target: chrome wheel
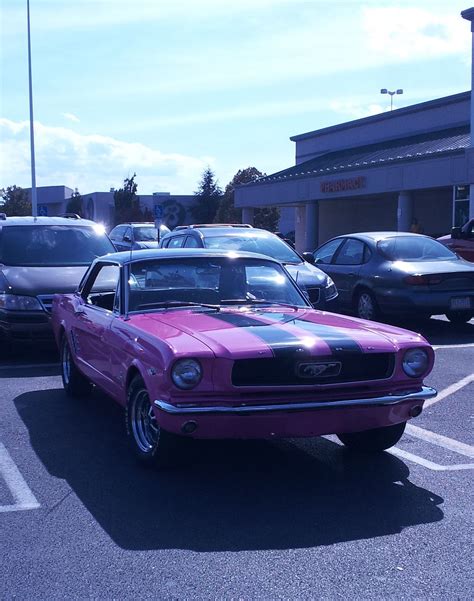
366,306
144,426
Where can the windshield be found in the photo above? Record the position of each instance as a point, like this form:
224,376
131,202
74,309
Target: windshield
209,281
256,242
52,245
145,234
410,248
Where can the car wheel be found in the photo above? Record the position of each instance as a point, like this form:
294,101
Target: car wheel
460,317
149,442
366,305
75,384
374,440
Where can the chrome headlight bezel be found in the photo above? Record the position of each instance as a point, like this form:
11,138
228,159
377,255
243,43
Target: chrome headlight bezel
330,290
416,362
186,373
18,302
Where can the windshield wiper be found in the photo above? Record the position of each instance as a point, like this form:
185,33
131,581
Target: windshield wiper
254,301
175,303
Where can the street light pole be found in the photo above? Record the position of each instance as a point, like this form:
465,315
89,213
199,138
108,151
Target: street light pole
34,203
385,91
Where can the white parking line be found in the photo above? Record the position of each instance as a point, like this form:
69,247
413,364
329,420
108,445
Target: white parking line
440,441
438,347
21,493
449,390
429,464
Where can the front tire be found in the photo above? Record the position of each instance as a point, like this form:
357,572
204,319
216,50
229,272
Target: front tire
152,445
375,440
366,305
460,317
75,384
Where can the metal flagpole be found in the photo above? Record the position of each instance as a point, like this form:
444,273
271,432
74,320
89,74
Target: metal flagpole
34,202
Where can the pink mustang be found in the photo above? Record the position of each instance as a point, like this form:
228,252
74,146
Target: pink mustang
206,344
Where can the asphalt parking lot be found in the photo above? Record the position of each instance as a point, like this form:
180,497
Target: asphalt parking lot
248,520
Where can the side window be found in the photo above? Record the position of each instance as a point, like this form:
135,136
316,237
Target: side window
100,290
352,253
176,242
327,251
117,232
191,242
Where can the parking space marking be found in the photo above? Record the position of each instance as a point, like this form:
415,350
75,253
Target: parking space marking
429,464
21,493
441,441
449,390
438,347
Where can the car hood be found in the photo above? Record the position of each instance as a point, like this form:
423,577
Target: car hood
234,333
306,274
32,281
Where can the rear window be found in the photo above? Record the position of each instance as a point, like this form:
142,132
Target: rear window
145,234
265,244
53,245
409,248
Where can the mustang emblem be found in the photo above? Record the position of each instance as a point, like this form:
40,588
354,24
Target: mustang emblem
319,370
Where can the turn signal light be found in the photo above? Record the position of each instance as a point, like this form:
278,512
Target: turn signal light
423,280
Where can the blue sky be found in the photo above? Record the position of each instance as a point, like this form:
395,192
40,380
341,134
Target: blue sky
165,88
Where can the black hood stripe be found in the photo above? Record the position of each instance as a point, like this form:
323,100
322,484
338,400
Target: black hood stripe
337,341
281,342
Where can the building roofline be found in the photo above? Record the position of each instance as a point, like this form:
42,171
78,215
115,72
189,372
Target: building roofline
414,108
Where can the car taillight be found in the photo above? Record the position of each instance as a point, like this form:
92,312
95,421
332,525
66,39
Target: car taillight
423,280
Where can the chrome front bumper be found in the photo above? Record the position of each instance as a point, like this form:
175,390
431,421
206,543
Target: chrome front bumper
391,399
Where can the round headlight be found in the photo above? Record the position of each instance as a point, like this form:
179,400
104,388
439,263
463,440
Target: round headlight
415,362
186,373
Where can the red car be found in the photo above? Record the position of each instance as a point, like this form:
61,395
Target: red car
461,240
206,344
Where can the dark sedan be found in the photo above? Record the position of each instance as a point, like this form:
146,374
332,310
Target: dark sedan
394,273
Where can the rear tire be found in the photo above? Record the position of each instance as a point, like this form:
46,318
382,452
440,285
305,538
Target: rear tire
152,445
366,306
375,440
460,317
75,384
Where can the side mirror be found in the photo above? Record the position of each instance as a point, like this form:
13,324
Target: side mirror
127,238
456,232
309,258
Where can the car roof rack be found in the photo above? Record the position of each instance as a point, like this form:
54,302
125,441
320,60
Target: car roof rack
70,216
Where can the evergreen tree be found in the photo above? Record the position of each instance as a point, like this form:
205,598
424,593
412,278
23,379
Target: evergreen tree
127,203
74,204
208,197
16,201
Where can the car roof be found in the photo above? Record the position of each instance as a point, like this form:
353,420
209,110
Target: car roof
29,220
178,253
376,236
221,230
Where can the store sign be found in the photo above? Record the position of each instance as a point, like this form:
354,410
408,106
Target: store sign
343,185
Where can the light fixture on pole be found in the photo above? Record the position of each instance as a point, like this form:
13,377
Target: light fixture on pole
385,91
34,204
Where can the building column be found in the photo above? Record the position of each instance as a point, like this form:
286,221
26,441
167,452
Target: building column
300,228
312,225
404,212
247,215
468,14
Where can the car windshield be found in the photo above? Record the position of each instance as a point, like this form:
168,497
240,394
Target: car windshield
155,284
411,248
265,244
52,245
145,234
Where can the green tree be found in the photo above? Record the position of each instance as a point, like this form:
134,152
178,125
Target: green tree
74,204
127,203
208,196
265,218
16,201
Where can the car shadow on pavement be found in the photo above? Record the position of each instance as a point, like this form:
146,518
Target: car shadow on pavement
223,495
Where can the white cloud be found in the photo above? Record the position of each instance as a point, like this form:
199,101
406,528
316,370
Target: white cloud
71,117
408,34
357,110
91,162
